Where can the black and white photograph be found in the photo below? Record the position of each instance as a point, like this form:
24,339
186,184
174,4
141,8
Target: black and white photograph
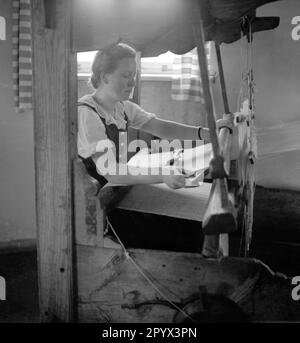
149,165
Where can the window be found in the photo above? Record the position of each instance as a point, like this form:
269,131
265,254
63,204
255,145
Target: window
163,65
151,67
157,68
84,63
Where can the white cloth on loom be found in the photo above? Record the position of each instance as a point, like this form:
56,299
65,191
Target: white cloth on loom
185,203
193,162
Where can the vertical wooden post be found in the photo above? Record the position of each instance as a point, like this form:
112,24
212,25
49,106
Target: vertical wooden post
55,94
222,78
218,217
225,139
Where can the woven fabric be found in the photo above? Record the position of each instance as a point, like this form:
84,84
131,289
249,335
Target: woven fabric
22,54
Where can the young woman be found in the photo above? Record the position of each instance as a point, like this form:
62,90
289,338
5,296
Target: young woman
105,115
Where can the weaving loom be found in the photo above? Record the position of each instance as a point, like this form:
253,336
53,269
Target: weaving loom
80,278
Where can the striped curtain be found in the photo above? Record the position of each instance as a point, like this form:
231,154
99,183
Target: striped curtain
186,81
22,54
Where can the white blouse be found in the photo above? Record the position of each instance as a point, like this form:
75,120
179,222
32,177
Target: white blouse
91,131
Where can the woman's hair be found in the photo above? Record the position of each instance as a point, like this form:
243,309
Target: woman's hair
107,60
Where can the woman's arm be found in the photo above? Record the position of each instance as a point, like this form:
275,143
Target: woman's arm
129,175
172,130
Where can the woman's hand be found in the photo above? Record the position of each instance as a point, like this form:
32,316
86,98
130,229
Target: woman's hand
174,179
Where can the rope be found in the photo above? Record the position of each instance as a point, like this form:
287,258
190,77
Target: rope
140,270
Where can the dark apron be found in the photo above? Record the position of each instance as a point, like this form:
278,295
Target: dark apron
109,196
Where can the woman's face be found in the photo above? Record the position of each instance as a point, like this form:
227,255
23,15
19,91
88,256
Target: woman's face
121,82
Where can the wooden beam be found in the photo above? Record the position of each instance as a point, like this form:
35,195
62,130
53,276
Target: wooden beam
225,138
50,13
55,95
219,216
222,78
